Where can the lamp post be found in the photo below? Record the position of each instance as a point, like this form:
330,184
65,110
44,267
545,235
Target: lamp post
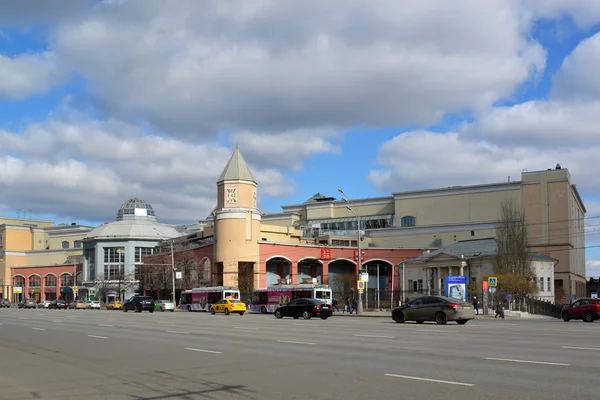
358,256
172,263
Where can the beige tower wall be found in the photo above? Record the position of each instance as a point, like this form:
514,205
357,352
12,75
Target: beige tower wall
237,236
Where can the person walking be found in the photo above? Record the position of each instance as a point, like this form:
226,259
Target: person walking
334,305
347,305
499,310
476,304
354,305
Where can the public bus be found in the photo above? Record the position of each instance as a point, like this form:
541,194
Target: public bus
200,299
267,300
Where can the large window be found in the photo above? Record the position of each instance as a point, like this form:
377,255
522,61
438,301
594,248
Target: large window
141,252
65,244
50,281
77,244
19,281
90,258
407,221
66,280
35,281
114,263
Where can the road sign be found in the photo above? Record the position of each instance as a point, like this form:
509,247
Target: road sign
509,297
364,276
360,285
492,281
178,274
361,291
484,285
75,289
493,290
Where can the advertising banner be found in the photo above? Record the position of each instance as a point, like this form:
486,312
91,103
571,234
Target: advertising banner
456,287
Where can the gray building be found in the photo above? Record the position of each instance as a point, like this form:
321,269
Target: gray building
114,252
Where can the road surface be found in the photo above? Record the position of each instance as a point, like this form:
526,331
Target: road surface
93,354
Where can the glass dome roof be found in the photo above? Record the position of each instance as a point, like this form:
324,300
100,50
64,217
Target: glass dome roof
135,208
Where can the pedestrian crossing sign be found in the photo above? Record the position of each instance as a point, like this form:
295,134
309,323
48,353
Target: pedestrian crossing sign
361,285
492,281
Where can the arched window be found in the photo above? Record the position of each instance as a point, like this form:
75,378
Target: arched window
65,244
50,281
35,281
66,280
77,244
19,281
407,221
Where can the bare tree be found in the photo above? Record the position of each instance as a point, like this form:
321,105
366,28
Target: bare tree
511,235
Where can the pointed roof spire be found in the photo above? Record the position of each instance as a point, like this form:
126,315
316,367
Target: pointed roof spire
236,169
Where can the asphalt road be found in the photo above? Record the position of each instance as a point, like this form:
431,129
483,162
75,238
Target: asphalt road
51,354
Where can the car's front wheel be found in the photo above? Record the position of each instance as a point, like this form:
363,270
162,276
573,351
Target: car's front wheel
124,309
588,317
226,311
566,317
278,314
399,318
212,311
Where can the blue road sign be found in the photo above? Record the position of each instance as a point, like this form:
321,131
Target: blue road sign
509,297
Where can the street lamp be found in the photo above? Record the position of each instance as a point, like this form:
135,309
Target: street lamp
170,240
358,256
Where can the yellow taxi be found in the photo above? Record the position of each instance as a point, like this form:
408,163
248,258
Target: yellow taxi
114,305
228,306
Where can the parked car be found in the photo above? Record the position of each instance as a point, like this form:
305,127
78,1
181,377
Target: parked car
440,309
4,303
59,304
164,305
305,308
114,305
228,306
139,304
587,309
77,305
93,305
44,304
28,303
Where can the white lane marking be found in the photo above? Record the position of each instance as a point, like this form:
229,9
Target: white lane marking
203,351
581,348
433,331
430,380
292,342
183,333
97,337
58,321
38,329
24,318
524,361
107,326
245,328
375,336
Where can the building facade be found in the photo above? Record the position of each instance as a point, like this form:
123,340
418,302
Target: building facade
31,250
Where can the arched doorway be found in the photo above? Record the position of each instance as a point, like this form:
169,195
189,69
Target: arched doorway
206,272
308,269
342,279
18,288
380,275
278,268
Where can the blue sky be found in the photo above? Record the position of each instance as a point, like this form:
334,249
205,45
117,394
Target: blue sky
106,101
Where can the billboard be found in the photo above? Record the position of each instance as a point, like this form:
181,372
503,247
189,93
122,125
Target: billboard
456,287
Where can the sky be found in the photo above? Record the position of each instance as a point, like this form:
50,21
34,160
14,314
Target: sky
103,100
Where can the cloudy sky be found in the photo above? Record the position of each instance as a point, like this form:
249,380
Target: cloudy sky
101,100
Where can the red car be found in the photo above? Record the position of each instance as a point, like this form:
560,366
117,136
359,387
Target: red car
586,309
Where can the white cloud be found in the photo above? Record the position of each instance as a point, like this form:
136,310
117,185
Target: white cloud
86,169
579,77
585,13
201,68
592,268
28,74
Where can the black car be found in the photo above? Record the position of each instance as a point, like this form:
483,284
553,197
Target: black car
58,305
139,304
4,303
305,308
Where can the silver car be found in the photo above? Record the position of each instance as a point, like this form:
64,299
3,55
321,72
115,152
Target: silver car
164,305
44,304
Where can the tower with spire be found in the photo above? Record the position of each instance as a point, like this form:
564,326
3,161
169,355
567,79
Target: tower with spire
237,227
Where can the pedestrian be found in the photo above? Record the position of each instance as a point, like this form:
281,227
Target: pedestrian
407,301
347,306
354,305
499,310
476,304
334,305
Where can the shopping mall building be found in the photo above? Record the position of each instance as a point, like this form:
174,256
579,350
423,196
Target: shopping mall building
238,245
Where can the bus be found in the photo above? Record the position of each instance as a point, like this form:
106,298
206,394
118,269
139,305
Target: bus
267,300
201,299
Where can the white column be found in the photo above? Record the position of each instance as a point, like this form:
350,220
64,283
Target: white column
439,279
